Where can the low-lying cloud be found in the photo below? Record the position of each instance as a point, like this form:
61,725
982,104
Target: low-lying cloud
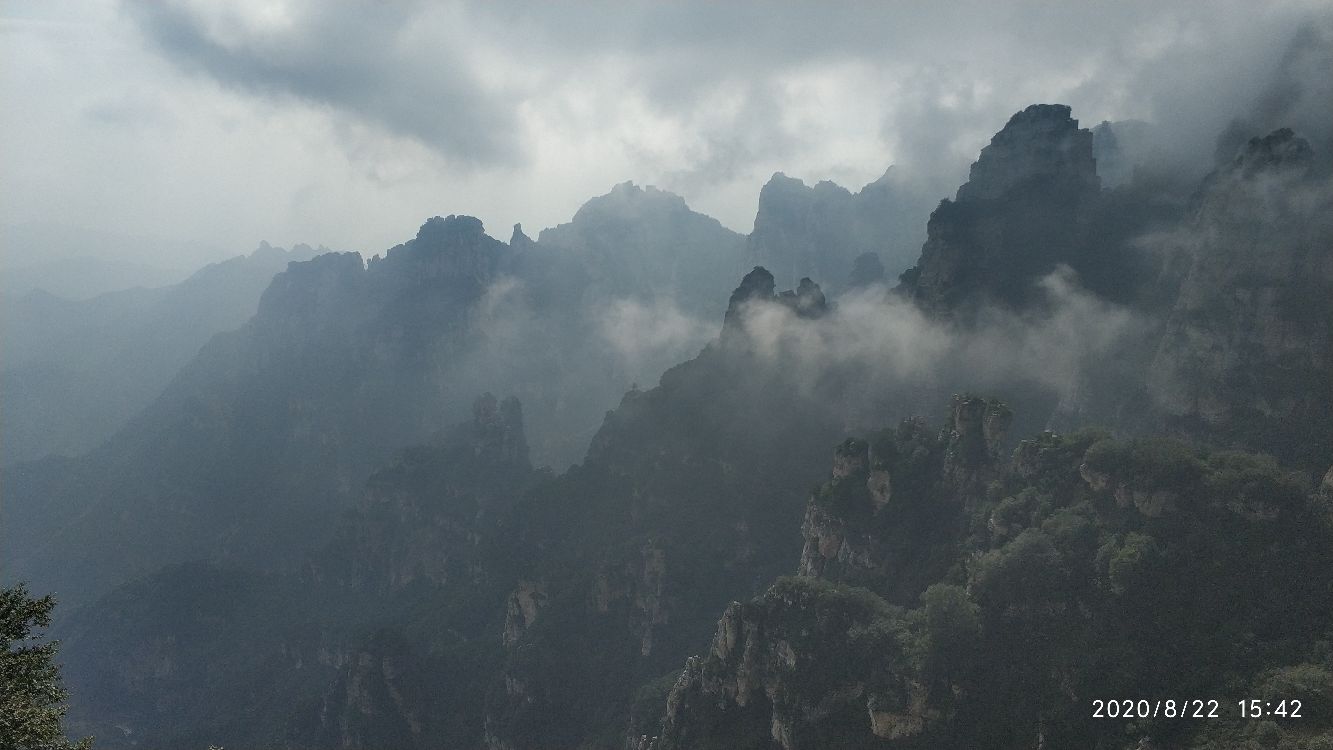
881,347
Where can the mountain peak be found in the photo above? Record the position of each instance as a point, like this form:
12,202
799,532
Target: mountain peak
806,300
1042,142
1281,150
630,200
437,231
519,238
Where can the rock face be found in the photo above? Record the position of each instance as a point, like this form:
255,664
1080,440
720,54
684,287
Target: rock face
1042,145
819,231
1248,347
525,603
771,677
853,525
1025,209
370,704
435,516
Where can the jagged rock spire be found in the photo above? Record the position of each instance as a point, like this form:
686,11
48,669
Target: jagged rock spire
1041,143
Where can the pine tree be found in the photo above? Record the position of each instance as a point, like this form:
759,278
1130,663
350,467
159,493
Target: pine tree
32,699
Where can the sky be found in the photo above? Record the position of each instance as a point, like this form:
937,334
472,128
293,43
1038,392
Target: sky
348,123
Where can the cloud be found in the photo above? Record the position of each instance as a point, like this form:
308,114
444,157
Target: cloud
644,335
371,61
874,347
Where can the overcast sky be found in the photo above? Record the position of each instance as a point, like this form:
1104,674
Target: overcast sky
347,124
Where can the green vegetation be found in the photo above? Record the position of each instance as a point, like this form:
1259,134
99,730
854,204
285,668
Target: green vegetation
32,699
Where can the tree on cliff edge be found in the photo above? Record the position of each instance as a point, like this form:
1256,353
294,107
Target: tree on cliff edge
32,700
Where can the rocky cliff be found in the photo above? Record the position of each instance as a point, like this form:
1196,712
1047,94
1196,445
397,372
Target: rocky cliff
1025,208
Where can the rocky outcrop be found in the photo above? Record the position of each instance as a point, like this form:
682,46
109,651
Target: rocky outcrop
1051,559
455,247
369,705
1024,210
806,300
756,288
856,525
783,668
315,294
524,604
1042,145
977,430
519,240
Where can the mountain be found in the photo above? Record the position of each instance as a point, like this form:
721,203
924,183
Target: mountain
268,432
259,441
386,635
1027,207
819,232
646,243
601,577
75,371
76,262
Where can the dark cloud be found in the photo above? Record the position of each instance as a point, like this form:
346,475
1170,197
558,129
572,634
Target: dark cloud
363,59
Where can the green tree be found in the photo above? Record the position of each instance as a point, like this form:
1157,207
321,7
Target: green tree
32,700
